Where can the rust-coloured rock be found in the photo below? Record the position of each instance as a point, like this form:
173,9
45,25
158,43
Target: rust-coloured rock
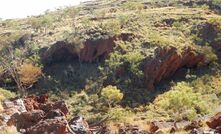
54,113
214,121
153,127
26,119
40,102
27,112
49,126
95,49
62,106
167,61
89,52
31,103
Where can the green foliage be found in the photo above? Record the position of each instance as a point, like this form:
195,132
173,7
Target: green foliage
9,39
135,59
208,84
71,11
112,95
6,94
44,21
132,6
210,55
124,19
182,102
95,32
132,60
112,26
217,2
86,105
119,114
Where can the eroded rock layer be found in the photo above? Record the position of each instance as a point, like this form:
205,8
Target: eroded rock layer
88,51
167,61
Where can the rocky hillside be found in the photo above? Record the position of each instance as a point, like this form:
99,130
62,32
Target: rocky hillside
132,66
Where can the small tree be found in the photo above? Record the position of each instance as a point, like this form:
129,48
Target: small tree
10,60
112,95
13,63
29,74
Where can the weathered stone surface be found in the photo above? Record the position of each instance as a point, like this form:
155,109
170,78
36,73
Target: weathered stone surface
49,126
79,126
41,102
167,61
90,51
26,119
214,121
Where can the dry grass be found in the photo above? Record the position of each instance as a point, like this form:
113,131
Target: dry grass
8,130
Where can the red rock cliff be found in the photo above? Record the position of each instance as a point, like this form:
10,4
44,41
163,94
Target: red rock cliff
90,51
167,61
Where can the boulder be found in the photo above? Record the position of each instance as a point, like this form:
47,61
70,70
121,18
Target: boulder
214,121
79,125
26,119
49,126
41,102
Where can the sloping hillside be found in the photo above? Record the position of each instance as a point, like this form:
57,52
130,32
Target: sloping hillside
128,61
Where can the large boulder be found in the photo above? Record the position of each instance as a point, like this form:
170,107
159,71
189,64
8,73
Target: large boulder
49,126
26,119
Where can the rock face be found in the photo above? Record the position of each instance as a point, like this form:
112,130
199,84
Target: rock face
89,51
96,49
215,122
60,51
49,126
36,115
166,62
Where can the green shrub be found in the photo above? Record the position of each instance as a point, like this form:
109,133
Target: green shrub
71,11
124,19
209,53
5,94
79,103
112,95
182,102
208,84
119,114
217,2
132,6
112,26
44,21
